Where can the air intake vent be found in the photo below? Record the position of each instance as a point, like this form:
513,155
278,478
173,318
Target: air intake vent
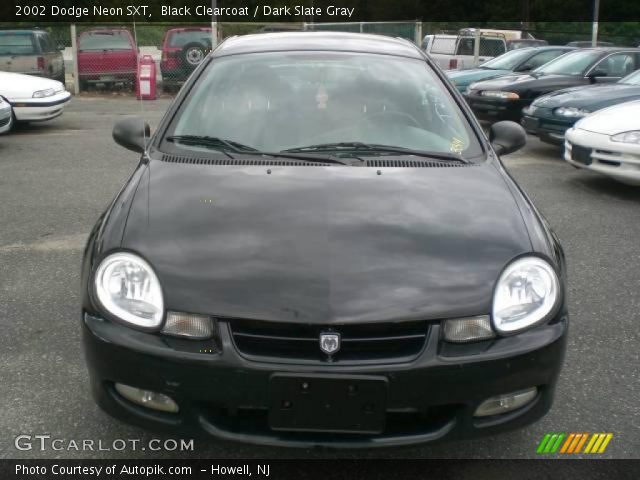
254,162
382,163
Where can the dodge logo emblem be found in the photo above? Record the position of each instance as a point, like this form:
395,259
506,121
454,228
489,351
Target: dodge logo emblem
329,342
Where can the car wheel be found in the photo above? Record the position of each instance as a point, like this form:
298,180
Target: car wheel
62,77
193,54
12,121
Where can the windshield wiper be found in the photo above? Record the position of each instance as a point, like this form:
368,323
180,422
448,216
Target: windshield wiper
225,145
377,149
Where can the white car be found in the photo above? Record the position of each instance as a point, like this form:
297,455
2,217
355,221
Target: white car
6,118
33,98
608,142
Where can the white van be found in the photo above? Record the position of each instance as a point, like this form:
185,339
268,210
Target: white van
456,52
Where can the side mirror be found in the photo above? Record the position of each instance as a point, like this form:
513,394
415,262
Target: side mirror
596,74
132,133
525,68
507,137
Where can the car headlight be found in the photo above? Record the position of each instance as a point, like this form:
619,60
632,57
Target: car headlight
571,112
500,94
44,93
527,291
128,288
627,137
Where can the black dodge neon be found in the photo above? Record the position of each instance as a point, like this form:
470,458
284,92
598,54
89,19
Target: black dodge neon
319,246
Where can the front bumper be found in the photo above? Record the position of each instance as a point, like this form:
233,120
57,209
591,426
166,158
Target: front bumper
548,127
226,395
620,161
494,109
41,109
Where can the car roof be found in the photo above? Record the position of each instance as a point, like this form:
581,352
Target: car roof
317,41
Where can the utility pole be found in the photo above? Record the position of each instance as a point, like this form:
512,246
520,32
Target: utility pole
594,27
214,25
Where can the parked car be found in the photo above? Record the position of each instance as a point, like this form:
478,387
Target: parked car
107,56
456,52
608,142
6,116
504,98
550,116
320,246
33,99
183,49
520,60
525,42
32,52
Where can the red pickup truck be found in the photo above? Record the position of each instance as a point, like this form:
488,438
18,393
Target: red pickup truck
107,55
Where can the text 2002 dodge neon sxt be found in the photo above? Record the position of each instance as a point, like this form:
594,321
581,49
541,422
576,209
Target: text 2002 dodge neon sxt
319,246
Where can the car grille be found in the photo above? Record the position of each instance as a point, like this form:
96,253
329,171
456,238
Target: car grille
5,121
581,154
300,343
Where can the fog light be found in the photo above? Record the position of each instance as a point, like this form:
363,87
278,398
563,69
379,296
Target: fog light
147,398
506,403
197,327
471,329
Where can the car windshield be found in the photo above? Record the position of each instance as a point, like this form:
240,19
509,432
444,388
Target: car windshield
111,40
633,79
16,43
280,101
574,63
182,38
509,60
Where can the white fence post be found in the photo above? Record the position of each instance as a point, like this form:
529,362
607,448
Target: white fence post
74,59
476,48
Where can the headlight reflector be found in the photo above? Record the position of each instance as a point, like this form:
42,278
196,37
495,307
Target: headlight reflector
627,137
526,292
128,288
571,112
500,94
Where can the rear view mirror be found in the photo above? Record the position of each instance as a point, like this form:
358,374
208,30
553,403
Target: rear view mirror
507,137
597,73
132,133
525,68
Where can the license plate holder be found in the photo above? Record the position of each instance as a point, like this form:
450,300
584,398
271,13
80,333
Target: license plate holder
327,403
581,154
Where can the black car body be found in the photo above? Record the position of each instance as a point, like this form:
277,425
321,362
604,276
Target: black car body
505,97
550,116
345,305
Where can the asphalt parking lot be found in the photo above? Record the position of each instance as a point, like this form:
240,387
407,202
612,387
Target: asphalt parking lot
57,177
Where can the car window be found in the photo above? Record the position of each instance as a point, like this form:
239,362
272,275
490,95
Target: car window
276,101
491,47
107,40
509,60
180,39
444,46
45,44
16,43
541,58
616,65
574,63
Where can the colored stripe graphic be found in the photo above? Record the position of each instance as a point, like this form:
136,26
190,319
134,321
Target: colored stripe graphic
573,443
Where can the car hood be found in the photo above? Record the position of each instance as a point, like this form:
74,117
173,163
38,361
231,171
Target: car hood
326,244
465,77
523,82
590,96
15,86
613,120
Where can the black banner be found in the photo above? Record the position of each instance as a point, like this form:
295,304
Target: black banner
524,11
326,469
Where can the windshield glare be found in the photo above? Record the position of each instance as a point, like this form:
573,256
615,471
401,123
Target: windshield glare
105,41
509,60
574,63
633,79
278,101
